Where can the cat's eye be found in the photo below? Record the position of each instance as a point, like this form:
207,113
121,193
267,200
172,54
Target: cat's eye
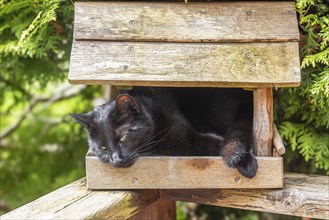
122,139
103,148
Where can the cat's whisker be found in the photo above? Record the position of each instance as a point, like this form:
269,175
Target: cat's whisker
145,149
163,138
147,144
149,141
138,152
148,155
154,136
153,143
152,153
148,148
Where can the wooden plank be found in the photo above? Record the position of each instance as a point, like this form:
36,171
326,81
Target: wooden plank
163,209
192,22
302,195
185,64
74,201
263,121
181,173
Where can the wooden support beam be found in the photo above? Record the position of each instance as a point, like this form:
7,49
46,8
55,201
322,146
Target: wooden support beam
74,201
163,209
263,121
302,195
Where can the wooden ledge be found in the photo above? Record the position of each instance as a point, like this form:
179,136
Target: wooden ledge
302,195
181,173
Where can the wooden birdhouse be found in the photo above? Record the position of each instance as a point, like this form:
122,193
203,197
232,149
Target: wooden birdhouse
251,45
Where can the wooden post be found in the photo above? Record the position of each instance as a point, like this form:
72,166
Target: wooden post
262,122
164,209
111,92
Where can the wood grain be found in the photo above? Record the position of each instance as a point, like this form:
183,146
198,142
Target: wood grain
302,195
277,141
181,173
163,209
263,121
185,64
74,201
192,22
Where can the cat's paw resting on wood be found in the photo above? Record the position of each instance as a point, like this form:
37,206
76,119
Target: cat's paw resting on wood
173,122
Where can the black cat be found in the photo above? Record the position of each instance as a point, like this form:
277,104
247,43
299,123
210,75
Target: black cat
175,122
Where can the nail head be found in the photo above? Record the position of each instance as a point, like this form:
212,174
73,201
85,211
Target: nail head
135,180
237,179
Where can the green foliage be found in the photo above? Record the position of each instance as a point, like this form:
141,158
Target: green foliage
45,152
303,114
45,148
36,24
35,38
310,143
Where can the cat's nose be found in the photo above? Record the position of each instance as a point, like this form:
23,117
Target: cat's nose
116,158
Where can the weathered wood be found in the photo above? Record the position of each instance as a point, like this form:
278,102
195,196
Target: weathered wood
181,173
163,209
277,141
185,64
74,201
112,92
302,195
263,121
192,22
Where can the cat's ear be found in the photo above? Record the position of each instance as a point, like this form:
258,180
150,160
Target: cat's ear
126,104
83,119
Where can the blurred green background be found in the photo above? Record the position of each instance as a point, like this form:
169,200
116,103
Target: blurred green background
42,149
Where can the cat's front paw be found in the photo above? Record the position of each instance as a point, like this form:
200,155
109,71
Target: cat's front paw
244,162
248,166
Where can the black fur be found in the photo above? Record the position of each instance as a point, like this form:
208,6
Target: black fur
175,122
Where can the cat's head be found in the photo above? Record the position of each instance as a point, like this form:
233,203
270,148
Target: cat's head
118,131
